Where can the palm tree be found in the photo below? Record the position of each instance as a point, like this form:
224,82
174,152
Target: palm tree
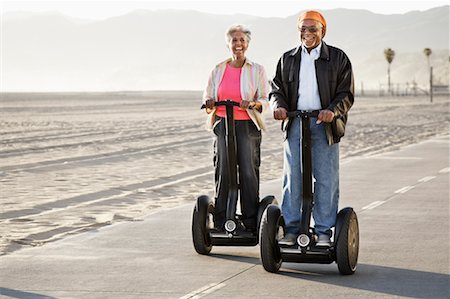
389,55
427,52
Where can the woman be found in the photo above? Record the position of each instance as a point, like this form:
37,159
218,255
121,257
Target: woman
245,82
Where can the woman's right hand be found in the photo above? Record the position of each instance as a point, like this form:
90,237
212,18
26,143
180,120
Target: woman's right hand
210,103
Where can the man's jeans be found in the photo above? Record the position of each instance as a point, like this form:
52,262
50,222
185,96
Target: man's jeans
325,161
248,141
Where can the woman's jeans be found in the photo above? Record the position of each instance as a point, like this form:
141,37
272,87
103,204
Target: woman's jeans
248,140
325,170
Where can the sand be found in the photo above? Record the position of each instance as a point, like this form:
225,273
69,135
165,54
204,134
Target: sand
74,162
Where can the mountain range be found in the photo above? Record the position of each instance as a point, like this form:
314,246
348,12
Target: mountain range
177,49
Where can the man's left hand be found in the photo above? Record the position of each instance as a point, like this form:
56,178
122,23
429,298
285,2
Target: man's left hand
325,116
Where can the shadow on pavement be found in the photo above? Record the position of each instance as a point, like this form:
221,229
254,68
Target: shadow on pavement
22,294
380,279
237,258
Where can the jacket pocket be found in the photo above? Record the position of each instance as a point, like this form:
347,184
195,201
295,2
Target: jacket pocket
338,127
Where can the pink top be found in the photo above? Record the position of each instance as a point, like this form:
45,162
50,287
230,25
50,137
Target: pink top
230,89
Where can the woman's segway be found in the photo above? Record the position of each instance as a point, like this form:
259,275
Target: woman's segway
344,249
203,233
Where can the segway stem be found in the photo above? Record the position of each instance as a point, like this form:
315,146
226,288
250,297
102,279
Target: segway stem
308,201
230,132
307,193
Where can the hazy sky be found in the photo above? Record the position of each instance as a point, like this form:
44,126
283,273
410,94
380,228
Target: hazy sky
104,9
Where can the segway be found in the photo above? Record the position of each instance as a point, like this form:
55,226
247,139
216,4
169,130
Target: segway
345,247
203,233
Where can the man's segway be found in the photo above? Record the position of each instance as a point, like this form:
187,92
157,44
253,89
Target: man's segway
344,249
203,233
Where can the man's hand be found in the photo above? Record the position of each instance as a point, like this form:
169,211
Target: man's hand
280,113
325,116
210,103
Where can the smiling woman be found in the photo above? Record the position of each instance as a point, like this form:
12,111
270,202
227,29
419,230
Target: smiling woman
238,38
242,81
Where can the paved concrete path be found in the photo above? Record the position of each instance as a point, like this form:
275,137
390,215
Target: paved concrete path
402,201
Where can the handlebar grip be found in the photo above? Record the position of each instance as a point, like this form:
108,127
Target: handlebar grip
225,103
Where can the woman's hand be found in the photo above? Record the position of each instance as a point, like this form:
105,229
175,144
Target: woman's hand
257,106
210,103
245,104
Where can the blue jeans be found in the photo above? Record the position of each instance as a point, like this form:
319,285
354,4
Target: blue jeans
325,170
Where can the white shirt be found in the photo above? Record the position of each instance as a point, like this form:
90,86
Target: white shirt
308,90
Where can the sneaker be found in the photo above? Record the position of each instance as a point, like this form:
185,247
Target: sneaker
323,241
219,229
219,226
288,240
249,224
251,231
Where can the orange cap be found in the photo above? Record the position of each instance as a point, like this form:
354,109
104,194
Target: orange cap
316,16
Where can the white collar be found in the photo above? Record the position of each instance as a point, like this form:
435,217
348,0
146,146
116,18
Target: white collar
316,50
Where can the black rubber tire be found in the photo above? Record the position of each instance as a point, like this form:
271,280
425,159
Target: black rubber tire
347,244
269,249
200,222
269,199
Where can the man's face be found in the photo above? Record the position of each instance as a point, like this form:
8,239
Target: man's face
310,33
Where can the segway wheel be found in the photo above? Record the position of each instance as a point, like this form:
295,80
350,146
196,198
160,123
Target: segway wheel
200,225
268,239
347,244
270,199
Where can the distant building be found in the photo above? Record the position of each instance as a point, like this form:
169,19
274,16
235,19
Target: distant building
440,89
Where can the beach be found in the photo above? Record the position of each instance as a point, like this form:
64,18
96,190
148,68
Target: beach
75,162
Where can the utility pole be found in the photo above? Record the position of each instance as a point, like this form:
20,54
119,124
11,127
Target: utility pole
431,84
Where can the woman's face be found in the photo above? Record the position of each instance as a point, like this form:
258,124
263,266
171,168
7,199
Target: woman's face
238,44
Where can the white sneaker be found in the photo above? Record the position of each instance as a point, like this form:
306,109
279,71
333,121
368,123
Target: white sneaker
288,240
323,241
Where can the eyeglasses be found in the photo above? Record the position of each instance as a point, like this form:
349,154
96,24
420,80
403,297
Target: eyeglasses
312,29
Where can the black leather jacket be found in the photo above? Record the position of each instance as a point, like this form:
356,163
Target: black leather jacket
335,82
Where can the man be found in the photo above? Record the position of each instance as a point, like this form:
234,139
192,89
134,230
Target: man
313,76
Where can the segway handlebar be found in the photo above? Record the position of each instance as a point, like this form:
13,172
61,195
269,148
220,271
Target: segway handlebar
303,113
225,103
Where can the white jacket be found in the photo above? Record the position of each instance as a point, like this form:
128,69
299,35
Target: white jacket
254,87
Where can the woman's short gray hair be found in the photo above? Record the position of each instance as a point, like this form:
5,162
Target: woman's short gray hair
238,28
